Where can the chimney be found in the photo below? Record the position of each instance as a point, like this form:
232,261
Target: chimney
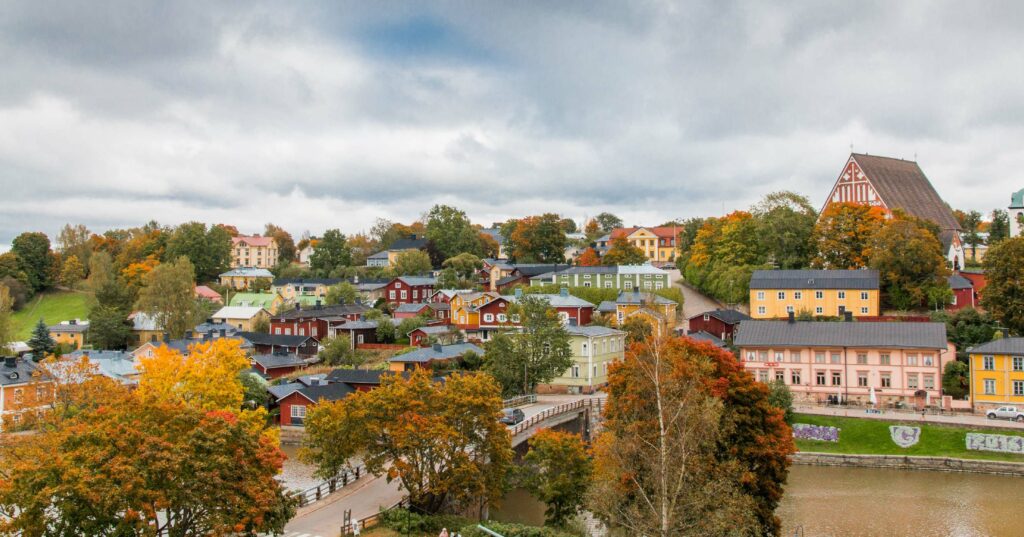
298,306
792,318
1005,331
73,322
11,361
223,332
437,347
167,337
209,320
563,292
849,316
519,292
188,334
318,303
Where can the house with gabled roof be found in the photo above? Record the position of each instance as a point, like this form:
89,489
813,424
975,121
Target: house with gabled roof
409,289
720,323
654,309
897,184
387,258
245,277
253,251
425,358
657,242
242,317
774,294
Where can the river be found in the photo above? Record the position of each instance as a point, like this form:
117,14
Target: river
833,502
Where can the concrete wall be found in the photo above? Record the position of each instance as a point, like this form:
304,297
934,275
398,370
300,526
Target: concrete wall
941,464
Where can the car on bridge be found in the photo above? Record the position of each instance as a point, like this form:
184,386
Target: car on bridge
1006,413
512,416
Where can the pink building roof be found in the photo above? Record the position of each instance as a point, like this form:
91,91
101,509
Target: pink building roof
203,291
254,240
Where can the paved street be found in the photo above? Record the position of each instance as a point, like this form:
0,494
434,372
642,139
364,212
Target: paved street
951,419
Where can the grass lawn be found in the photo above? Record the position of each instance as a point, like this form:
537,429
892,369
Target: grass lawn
871,437
53,307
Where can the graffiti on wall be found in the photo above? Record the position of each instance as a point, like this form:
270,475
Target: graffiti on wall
824,433
904,436
995,442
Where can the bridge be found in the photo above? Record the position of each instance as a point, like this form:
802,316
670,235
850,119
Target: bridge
365,495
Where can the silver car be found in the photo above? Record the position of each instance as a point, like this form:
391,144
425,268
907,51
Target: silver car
1006,413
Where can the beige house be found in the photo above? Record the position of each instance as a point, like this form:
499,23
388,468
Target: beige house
245,277
594,349
254,251
243,318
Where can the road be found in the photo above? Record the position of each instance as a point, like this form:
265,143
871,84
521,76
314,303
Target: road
366,496
949,419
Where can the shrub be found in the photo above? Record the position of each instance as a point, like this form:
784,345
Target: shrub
511,530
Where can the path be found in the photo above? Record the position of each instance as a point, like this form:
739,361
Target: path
949,419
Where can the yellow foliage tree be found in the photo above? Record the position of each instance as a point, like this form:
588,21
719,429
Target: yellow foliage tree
205,377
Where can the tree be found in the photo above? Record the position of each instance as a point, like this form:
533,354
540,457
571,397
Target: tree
6,307
1004,294
588,258
109,327
412,262
261,325
967,327
34,259
101,271
73,272
451,232
168,295
956,379
74,241
285,243
608,222
408,325
592,230
339,351
781,398
208,250
465,265
623,252
909,261
971,222
536,239
999,229
842,236
637,329
342,293
785,222
330,253
14,278
691,445
41,343
254,390
361,247
206,377
557,471
385,331
537,355
442,441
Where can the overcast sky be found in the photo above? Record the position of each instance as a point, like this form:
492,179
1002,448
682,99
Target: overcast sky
325,114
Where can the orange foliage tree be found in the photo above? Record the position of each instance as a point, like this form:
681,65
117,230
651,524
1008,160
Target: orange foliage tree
842,236
622,252
588,258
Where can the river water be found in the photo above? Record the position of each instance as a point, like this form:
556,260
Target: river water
840,502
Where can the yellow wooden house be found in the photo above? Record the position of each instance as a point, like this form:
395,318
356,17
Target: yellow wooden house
656,310
997,373
71,333
774,294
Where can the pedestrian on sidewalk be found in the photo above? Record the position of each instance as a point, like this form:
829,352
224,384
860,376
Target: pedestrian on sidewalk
444,532
355,527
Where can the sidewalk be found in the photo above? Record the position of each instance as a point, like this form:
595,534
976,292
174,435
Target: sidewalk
972,420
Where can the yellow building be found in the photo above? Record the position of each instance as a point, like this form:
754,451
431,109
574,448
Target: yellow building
245,278
289,289
243,318
254,252
997,373
71,333
829,293
657,310
464,308
658,243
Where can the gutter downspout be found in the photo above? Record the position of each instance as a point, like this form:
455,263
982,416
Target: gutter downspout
846,373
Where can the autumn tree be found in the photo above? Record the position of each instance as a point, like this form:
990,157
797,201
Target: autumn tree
168,294
588,258
74,241
285,243
637,329
1004,294
557,471
342,293
535,239
208,250
205,377
723,255
72,273
592,230
330,253
451,232
622,252
534,356
442,441
842,236
362,247
412,262
909,261
32,251
6,308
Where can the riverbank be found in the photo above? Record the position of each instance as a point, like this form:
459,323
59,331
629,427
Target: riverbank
859,436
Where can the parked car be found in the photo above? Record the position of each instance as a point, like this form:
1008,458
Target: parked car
512,416
1006,413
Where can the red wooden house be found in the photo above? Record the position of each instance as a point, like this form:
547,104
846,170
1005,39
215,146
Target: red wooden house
964,295
295,405
277,365
275,344
406,311
719,323
408,290
313,321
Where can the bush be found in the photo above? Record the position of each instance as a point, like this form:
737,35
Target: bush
511,530
404,521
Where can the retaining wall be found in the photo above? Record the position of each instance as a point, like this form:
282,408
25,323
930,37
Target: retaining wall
904,462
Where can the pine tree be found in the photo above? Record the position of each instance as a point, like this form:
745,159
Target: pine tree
41,343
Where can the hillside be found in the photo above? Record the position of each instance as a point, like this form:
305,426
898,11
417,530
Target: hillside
52,307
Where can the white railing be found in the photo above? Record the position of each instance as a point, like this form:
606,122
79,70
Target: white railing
593,402
330,486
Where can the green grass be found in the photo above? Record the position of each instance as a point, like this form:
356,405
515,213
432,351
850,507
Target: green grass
871,437
52,307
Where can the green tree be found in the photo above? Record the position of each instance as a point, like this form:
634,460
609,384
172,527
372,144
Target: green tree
608,222
101,271
208,250
41,343
34,259
909,261
970,232
168,295
623,252
781,398
557,470
537,355
261,325
956,380
637,329
339,351
73,272
785,222
74,241
285,243
342,293
109,327
465,265
6,307
451,232
330,253
254,388
999,229
408,325
385,331
1004,294
966,328
412,262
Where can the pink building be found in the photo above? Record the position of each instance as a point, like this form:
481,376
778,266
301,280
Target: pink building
829,361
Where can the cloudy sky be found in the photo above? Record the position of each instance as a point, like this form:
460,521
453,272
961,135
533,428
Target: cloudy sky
331,114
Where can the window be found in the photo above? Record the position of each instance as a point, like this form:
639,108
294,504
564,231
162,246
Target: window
912,381
780,376
587,276
836,358
19,395
586,284
862,358
819,295
1018,363
794,377
391,294
883,359
780,356
929,382
911,359
1018,387
819,310
608,283
502,318
862,380
990,387
647,285
299,411
415,293
842,295
798,295
988,363
707,317
886,380
761,310
277,330
658,285
302,331
762,356
863,311
287,331
575,371
489,317
585,347
794,356
760,295
398,285
40,393
863,295
819,378
819,357
404,295
762,375
751,356
782,295
837,378
619,316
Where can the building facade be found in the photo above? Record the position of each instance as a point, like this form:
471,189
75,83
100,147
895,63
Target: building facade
71,333
409,290
23,392
253,252
719,323
658,243
646,277
245,277
997,373
774,294
594,349
244,319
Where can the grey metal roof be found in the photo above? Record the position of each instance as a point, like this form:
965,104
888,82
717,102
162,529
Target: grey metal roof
606,307
78,327
328,392
259,338
383,254
306,281
432,329
814,279
704,336
592,331
636,297
418,280
21,373
446,352
280,391
316,312
556,300
408,243
248,272
907,335
1006,345
271,361
957,281
726,316
357,325
410,307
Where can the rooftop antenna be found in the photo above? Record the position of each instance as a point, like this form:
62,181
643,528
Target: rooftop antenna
851,146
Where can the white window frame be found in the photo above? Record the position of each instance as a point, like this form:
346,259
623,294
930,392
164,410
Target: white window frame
298,411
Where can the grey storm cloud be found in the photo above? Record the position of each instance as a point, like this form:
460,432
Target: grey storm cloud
331,114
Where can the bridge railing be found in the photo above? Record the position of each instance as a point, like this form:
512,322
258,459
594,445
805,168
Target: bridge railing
593,402
521,400
330,486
